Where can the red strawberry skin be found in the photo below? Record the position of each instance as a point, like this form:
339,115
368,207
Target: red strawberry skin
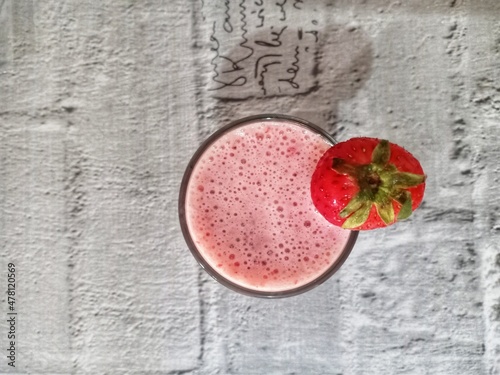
331,191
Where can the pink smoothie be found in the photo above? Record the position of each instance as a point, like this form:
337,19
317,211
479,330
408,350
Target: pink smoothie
249,210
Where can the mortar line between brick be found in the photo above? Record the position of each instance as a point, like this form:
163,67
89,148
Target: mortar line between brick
72,172
69,278
203,328
197,37
198,93
480,228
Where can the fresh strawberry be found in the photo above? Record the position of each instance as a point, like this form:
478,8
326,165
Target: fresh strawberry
367,183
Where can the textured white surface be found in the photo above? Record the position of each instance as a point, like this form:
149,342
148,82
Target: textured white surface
103,103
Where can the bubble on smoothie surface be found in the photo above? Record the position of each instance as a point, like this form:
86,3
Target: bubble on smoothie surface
249,208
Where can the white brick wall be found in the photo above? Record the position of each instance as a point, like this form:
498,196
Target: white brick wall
103,103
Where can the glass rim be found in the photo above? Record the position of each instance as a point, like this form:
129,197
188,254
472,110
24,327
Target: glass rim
334,267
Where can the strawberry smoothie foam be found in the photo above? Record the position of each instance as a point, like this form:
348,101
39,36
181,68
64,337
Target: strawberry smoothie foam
248,208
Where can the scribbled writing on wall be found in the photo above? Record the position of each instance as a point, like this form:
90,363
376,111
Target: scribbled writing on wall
260,48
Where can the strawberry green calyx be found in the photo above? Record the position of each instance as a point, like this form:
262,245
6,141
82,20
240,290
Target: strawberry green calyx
380,184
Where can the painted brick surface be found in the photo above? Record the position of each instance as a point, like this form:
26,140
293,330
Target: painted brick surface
103,103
